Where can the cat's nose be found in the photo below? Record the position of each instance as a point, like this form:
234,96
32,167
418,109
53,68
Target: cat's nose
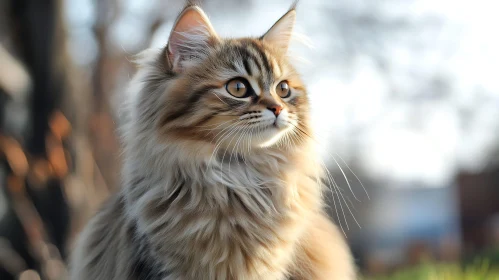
275,108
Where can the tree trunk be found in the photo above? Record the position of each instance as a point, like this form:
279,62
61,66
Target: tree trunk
34,152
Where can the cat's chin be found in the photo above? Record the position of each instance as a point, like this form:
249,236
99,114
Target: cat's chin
270,136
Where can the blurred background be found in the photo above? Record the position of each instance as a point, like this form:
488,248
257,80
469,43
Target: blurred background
405,99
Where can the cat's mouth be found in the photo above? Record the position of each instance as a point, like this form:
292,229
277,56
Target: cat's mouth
275,125
258,130
280,124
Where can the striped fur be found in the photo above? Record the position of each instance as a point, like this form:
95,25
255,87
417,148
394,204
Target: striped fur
215,187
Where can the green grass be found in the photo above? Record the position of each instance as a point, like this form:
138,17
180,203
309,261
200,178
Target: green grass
479,270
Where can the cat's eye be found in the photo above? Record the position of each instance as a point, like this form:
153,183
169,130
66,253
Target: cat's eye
283,90
238,88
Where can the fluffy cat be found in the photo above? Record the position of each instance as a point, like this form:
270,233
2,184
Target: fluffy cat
220,178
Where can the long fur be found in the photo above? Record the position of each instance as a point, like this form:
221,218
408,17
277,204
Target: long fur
199,199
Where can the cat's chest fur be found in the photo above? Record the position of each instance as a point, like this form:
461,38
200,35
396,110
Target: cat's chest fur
234,222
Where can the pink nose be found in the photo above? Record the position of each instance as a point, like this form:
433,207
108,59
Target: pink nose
276,109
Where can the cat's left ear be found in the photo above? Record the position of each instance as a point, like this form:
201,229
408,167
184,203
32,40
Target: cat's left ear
279,35
190,39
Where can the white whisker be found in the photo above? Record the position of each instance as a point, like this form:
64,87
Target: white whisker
360,182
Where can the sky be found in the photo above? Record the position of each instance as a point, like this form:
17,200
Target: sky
407,88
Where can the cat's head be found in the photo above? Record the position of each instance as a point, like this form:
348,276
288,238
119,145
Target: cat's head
235,93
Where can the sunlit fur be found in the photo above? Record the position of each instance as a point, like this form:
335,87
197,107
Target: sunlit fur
215,187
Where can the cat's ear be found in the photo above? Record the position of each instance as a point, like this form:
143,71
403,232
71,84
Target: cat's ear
190,39
279,35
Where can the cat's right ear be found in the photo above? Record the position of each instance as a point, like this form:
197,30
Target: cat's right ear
279,35
190,38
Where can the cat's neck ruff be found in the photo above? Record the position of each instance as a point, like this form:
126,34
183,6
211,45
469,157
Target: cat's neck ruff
267,197
202,164
263,172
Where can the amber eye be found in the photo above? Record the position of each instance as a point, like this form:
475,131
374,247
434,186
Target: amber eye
237,88
283,90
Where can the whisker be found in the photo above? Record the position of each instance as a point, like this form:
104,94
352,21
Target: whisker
353,173
331,180
339,166
219,142
249,142
215,124
220,98
343,197
294,138
234,134
335,186
245,133
235,146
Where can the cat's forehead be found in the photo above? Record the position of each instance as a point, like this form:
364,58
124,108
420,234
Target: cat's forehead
251,58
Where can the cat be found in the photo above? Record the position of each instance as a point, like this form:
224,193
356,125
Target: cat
220,176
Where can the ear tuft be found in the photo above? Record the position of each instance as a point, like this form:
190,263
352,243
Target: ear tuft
279,35
190,39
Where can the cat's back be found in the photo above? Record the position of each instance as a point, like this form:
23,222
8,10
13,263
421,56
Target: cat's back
103,249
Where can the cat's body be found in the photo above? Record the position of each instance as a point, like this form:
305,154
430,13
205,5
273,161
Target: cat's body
200,199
